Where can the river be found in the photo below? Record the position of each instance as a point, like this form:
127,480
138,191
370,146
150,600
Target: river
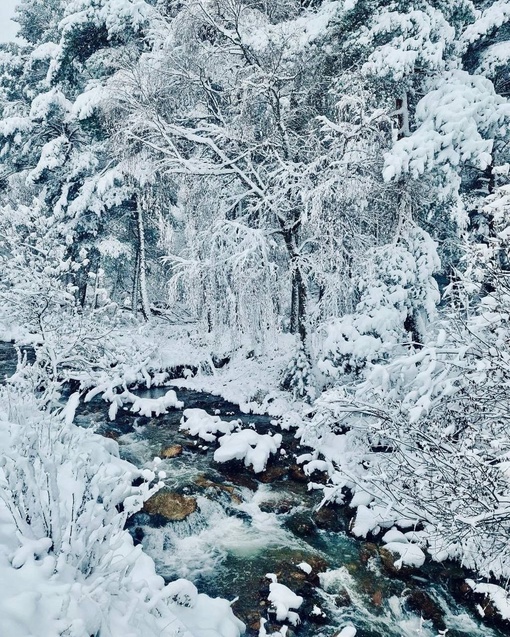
237,527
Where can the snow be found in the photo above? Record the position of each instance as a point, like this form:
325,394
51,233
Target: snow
88,101
293,35
81,574
368,520
394,535
409,554
199,423
493,17
347,631
456,120
416,38
498,596
306,568
255,449
283,601
152,406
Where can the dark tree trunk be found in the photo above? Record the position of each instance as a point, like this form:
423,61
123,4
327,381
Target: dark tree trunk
298,287
136,285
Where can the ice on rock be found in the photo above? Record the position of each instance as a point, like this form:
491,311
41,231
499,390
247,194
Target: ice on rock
249,446
199,423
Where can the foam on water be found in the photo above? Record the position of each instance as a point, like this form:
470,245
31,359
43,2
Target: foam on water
195,548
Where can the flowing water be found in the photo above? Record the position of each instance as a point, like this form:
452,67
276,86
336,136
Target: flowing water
246,526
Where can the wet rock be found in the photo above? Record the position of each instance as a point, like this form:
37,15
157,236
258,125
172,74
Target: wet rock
368,551
301,524
277,506
377,597
327,518
137,534
220,362
318,616
112,435
253,621
297,474
204,483
483,604
343,599
290,573
171,506
421,602
191,445
235,472
172,452
271,474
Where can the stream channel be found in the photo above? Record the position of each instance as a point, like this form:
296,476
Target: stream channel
224,528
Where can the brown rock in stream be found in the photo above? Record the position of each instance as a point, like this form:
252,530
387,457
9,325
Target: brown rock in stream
297,473
421,602
271,474
388,560
172,506
328,518
172,452
204,483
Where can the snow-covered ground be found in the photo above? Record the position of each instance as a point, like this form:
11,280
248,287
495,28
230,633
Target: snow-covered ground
67,565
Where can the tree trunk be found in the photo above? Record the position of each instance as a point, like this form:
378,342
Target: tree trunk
402,113
142,265
82,285
136,285
299,291
79,277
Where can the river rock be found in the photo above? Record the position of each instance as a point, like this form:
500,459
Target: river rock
203,482
235,472
421,602
388,560
297,473
327,518
171,506
491,616
172,452
342,598
271,474
277,506
368,551
301,524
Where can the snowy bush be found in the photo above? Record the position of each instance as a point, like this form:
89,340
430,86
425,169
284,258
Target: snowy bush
398,298
298,377
67,566
424,439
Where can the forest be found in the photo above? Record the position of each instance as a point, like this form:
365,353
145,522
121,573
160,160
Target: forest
255,319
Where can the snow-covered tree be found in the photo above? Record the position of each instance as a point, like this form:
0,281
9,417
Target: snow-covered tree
237,105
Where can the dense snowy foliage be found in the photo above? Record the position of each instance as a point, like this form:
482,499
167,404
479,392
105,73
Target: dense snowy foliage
304,205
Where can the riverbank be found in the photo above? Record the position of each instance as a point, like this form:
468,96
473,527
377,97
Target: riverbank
240,376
